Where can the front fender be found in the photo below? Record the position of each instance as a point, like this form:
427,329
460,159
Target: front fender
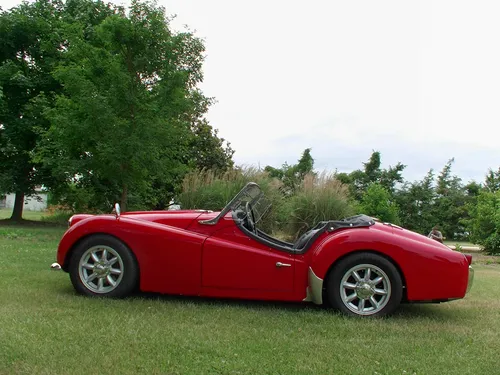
429,272
163,253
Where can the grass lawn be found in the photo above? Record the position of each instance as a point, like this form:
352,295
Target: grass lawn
46,329
27,215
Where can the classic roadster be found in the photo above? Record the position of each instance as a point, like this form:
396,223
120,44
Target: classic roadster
357,265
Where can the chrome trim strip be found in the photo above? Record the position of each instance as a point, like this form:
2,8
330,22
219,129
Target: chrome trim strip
315,288
471,279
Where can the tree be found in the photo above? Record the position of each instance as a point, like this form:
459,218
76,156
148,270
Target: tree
492,182
376,202
29,50
484,222
293,175
360,179
122,128
449,207
416,201
208,151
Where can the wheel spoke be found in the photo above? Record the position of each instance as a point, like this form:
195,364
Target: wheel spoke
368,274
112,261
115,271
104,255
100,284
377,280
361,305
380,291
374,302
110,280
88,266
349,285
352,297
91,277
356,276
95,257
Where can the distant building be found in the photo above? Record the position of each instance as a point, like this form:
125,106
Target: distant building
37,202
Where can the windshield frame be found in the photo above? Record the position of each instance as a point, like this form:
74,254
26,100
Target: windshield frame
250,190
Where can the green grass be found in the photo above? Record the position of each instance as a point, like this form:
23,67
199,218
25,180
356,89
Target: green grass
45,328
27,215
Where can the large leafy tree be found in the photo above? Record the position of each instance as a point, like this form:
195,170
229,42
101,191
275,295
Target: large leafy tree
29,50
123,127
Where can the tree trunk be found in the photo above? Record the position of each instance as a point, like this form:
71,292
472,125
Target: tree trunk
17,213
123,200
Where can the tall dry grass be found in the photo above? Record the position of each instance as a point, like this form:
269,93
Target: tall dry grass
319,197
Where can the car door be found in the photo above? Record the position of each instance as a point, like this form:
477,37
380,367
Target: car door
236,263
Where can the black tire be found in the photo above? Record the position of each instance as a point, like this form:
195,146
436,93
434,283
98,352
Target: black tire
113,262
347,285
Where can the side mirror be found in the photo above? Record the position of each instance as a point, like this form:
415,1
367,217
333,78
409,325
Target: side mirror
117,210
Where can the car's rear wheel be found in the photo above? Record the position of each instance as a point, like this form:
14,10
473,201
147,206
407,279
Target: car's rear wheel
102,265
365,284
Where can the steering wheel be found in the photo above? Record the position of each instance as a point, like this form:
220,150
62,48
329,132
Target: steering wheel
250,220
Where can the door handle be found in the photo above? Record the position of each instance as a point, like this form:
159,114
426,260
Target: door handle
279,264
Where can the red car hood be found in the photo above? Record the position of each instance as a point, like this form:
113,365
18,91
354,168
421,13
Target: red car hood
176,218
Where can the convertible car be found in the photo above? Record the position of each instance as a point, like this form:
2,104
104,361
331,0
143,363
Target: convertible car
357,265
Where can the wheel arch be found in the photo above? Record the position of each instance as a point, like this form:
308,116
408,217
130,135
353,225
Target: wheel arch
371,251
69,253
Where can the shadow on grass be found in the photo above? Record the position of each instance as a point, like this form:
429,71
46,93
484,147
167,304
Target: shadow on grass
404,312
29,223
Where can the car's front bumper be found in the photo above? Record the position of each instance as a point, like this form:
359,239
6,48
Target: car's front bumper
471,279
55,266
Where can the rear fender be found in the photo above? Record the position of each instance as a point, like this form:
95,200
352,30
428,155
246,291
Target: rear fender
428,272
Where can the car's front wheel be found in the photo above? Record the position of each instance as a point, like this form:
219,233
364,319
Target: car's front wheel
365,284
102,265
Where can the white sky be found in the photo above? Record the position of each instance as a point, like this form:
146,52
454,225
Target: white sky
418,81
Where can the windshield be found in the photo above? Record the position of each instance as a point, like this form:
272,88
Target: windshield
252,195
257,201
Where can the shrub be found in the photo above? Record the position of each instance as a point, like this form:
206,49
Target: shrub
484,224
57,214
376,202
318,198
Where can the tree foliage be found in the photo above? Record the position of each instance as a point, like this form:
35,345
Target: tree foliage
29,50
377,202
292,175
111,112
360,179
484,222
416,202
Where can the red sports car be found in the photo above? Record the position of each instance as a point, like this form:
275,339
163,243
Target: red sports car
357,265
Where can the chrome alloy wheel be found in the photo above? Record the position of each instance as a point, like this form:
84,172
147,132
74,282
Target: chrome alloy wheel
100,269
365,289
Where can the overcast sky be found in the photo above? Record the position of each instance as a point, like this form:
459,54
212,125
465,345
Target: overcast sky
418,81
